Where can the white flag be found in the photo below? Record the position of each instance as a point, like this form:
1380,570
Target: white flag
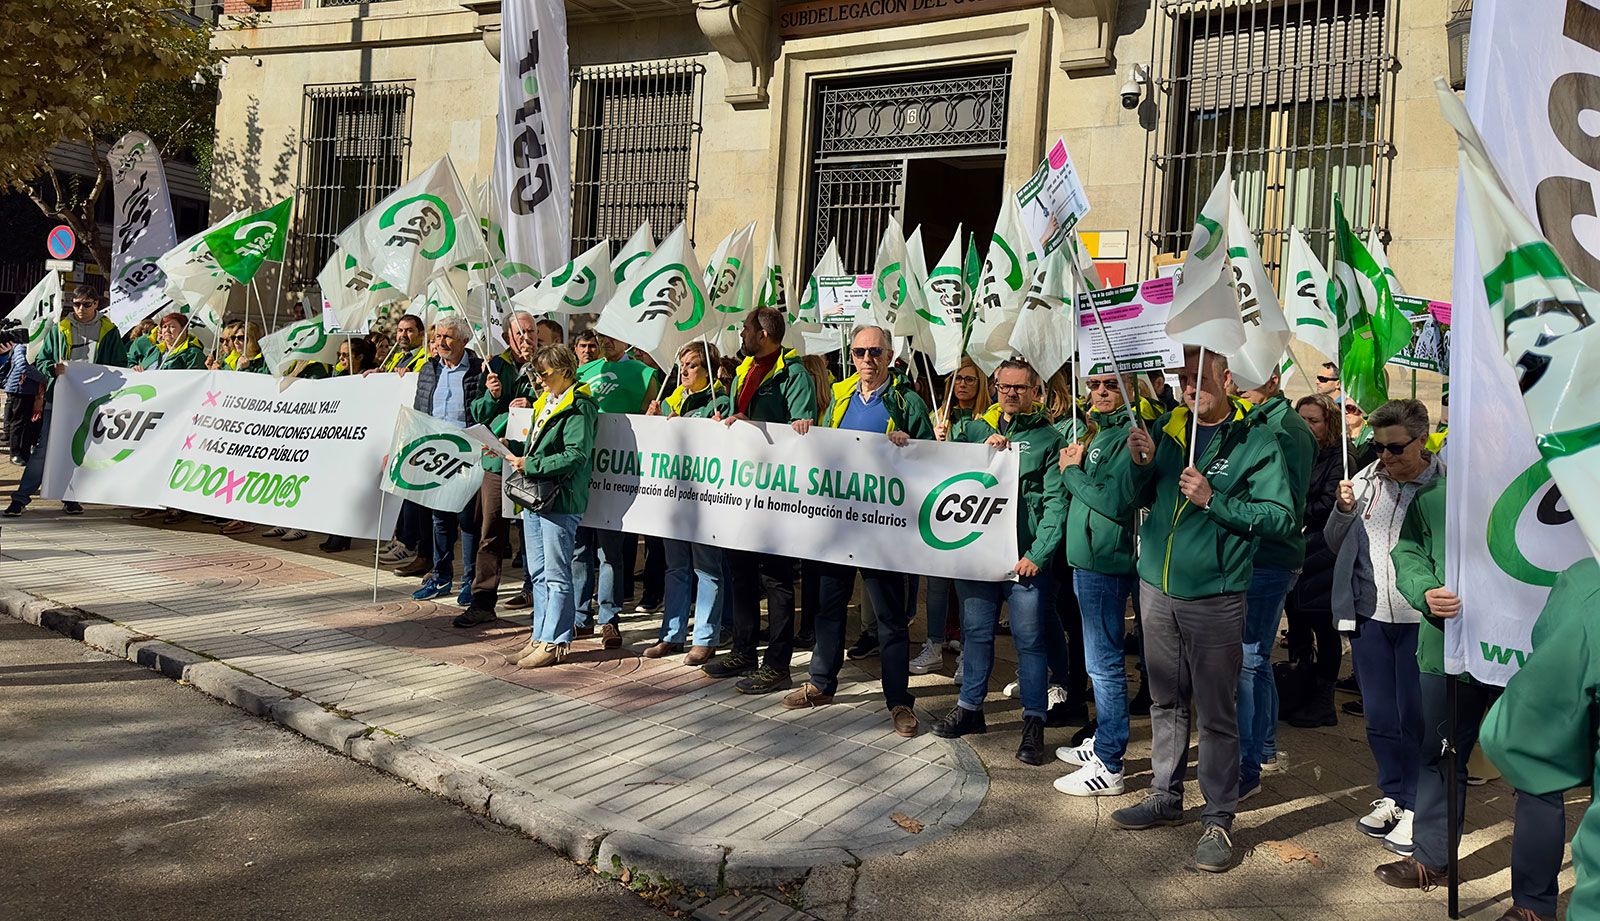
1375,246
1205,310
656,312
1046,330
1306,298
143,230
583,285
37,310
1266,331
943,310
774,282
729,284
420,230
302,340
894,288
805,332
448,295
1003,285
197,286
532,185
432,463
352,292
631,258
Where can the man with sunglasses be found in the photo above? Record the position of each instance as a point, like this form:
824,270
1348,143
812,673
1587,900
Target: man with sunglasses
1196,556
83,335
874,399
1328,381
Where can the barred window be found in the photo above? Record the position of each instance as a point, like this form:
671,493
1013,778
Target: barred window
636,150
1297,91
354,149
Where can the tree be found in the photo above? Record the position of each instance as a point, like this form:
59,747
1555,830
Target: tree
78,70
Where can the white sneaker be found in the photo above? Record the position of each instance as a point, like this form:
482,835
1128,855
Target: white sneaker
931,658
958,675
1012,690
1383,818
1398,839
1082,753
1093,779
1055,695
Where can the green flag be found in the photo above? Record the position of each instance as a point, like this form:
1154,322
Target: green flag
1371,329
241,246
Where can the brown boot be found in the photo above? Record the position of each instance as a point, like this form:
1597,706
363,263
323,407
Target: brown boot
544,656
806,695
417,567
699,655
610,637
512,658
1407,873
905,722
661,650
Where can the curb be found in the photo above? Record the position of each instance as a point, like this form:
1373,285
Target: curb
611,852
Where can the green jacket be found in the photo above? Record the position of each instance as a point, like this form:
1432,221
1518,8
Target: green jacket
492,411
187,355
144,351
563,449
256,365
1542,731
1299,449
907,411
1418,556
1189,552
1041,502
787,392
700,404
1100,522
110,349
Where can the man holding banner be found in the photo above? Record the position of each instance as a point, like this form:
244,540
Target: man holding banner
447,386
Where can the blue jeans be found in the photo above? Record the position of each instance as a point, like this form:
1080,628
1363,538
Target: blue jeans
1103,602
598,565
548,541
1032,626
33,473
1385,657
445,526
694,582
1258,687
938,608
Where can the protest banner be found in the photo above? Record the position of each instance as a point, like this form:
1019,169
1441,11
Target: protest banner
844,497
432,463
1429,349
144,230
113,432
841,297
1053,201
1135,318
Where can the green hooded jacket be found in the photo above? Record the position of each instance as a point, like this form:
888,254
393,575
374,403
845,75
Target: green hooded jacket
1299,449
700,404
186,355
1100,523
563,449
1041,501
1418,556
110,349
144,351
786,394
1189,552
907,411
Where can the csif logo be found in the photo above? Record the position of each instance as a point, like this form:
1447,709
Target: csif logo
119,428
432,461
961,503
1532,534
427,221
308,339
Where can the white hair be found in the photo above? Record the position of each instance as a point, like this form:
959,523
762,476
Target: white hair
859,328
457,325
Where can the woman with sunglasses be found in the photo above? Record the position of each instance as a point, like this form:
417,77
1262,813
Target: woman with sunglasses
1362,530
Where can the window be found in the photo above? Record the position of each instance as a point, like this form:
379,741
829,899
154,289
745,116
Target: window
354,148
1297,91
636,150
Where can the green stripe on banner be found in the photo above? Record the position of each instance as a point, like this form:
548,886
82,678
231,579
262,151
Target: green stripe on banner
1529,260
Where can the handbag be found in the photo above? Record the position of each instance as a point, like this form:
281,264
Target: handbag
536,494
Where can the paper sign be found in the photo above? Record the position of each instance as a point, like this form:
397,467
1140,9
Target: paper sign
519,422
1053,201
1429,349
1135,318
841,297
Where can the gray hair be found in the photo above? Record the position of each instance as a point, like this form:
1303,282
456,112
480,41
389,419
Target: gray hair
859,328
1411,415
513,316
455,324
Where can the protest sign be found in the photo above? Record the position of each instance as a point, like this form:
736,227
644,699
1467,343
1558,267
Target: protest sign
841,297
1429,349
1053,201
144,230
432,463
1135,318
844,497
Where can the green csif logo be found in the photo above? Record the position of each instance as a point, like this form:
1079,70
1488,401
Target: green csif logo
431,461
1531,490
962,500
123,427
431,216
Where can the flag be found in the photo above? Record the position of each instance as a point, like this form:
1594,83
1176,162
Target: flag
302,340
1266,331
514,277
37,310
1371,329
1375,245
893,292
633,254
242,245
1008,269
581,286
431,463
656,312
774,284
1046,329
352,292
197,285
143,230
449,295
1205,309
1306,296
804,331
943,310
531,187
729,284
421,229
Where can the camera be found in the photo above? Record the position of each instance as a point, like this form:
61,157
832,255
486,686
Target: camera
13,332
1133,87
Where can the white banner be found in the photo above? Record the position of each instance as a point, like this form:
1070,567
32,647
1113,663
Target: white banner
113,432
1510,532
1135,319
38,310
930,507
143,230
531,192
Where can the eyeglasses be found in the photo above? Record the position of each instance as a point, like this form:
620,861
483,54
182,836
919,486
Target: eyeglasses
1013,388
871,352
1110,386
965,379
1395,449
1327,380
85,303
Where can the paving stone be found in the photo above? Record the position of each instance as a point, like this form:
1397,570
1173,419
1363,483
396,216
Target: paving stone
112,638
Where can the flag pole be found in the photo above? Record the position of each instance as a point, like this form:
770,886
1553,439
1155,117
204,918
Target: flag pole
1452,809
1130,394
1194,428
1344,433
377,549
1072,392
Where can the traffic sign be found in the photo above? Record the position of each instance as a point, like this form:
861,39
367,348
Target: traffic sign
61,242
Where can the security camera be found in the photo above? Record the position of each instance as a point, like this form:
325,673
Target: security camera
1133,87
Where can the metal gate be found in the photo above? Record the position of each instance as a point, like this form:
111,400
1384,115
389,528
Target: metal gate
866,131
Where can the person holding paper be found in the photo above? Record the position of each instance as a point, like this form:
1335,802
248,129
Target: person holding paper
1213,478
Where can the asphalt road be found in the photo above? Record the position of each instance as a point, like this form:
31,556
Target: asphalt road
125,795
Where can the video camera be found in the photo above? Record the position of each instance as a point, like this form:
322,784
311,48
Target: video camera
13,332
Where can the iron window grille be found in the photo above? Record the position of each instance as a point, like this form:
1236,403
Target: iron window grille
636,150
354,150
1299,93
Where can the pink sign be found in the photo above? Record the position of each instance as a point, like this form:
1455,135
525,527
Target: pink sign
1111,314
1157,291
1440,311
1058,155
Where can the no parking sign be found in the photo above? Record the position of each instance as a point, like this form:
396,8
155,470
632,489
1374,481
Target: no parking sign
61,242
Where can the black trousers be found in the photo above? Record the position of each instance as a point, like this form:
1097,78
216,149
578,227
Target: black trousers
21,430
887,592
1314,638
753,574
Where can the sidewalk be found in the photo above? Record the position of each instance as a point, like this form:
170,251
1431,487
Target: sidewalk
624,762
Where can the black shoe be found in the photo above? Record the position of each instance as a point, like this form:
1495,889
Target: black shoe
14,510
866,645
764,680
1353,708
472,617
1317,711
334,544
732,665
959,722
1140,704
1067,713
1348,685
807,640
1031,751
71,508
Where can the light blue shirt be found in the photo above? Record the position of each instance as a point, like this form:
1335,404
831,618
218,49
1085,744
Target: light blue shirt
450,394
866,412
